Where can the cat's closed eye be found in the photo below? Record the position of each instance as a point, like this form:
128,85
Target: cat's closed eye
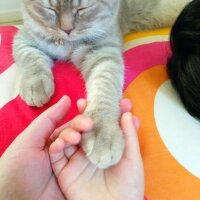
81,10
52,10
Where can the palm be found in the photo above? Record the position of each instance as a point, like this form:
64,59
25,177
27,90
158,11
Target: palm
31,167
40,180
89,182
80,179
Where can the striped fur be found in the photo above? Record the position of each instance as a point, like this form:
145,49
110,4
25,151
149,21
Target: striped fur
88,33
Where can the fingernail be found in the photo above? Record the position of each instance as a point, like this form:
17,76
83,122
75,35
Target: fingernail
63,98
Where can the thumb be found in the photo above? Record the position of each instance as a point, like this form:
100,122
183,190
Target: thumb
132,149
43,126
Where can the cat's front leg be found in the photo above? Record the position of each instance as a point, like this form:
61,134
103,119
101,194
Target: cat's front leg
103,72
36,83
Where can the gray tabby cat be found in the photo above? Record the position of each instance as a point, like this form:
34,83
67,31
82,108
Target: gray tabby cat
88,33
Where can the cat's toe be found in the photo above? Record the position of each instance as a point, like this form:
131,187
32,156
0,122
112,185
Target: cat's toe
37,90
102,148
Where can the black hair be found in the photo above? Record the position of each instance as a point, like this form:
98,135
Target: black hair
184,63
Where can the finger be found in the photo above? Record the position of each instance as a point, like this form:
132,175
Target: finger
57,132
125,105
70,136
132,150
81,104
57,156
44,125
81,123
70,151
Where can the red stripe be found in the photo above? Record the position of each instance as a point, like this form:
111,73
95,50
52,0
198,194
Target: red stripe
16,115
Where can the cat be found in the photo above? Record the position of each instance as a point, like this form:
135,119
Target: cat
184,63
89,34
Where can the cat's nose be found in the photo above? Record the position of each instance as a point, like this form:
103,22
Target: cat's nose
68,31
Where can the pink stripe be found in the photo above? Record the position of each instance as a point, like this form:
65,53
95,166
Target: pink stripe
143,57
7,34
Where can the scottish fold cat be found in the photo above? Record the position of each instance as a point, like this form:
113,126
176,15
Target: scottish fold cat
89,34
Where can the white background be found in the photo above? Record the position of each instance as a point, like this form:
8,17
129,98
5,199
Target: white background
10,11
6,5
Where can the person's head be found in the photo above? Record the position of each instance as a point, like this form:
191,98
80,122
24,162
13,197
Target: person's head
184,63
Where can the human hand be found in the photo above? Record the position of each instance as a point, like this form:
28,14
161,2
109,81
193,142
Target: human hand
80,179
25,168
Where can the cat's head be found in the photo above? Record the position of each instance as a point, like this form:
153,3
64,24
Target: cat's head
70,19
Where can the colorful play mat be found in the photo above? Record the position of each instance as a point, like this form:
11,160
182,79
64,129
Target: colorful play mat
169,136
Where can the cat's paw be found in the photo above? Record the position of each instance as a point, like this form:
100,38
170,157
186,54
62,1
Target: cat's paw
104,145
37,90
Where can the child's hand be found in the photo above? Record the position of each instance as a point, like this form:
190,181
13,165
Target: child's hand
80,179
